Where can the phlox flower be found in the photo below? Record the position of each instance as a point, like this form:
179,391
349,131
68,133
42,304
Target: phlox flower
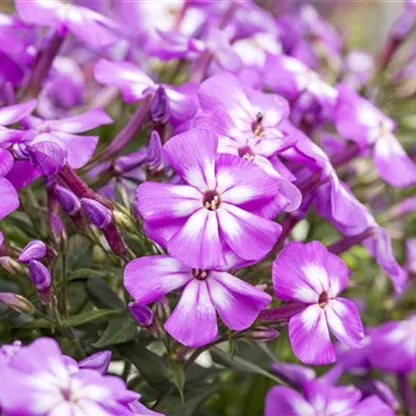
224,209
310,276
205,293
360,121
320,399
39,381
393,346
88,25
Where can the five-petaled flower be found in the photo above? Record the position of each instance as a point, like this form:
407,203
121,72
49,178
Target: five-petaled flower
312,278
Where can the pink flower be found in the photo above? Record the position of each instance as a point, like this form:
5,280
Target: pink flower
310,276
224,209
205,293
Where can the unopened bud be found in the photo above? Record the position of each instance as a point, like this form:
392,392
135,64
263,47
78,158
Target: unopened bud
99,361
262,333
155,160
160,106
57,227
124,221
97,213
35,250
11,265
67,200
17,302
41,279
142,314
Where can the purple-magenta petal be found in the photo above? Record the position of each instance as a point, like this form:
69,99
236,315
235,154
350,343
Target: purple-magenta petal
237,302
285,401
344,321
192,155
198,243
251,237
193,312
9,200
392,162
14,113
149,278
309,337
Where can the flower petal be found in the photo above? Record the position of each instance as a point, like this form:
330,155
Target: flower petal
6,162
244,184
193,322
124,75
237,302
9,200
198,243
249,236
192,155
14,113
371,406
392,162
285,401
82,122
309,337
344,321
166,202
79,148
149,278
299,272
233,100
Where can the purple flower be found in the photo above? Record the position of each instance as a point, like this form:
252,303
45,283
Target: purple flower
320,399
224,209
250,124
393,346
311,276
63,133
88,25
358,120
290,77
38,381
205,293
135,85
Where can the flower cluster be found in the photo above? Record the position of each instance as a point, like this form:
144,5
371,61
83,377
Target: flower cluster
182,181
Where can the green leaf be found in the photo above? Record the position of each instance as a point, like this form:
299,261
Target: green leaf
120,329
151,366
240,364
102,295
177,375
84,274
89,316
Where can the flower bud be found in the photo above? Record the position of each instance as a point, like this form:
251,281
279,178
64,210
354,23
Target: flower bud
35,250
262,333
160,106
17,302
97,213
155,162
11,265
67,200
142,314
40,275
124,221
99,361
57,227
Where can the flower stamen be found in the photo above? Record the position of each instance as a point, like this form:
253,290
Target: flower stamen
211,200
